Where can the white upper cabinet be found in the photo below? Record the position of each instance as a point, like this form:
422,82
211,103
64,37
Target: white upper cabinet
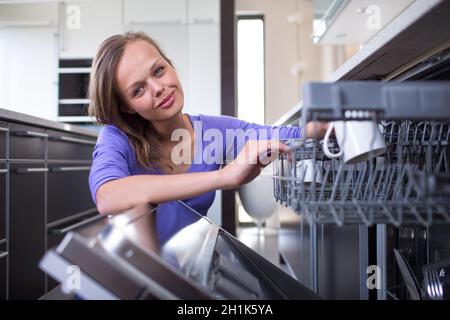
203,70
85,24
154,11
28,14
203,11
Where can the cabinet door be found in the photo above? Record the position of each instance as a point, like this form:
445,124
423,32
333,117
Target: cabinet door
154,11
3,137
3,173
26,142
3,272
203,70
85,24
28,63
68,191
203,11
173,41
62,145
27,230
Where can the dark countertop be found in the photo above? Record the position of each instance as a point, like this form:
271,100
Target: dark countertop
8,115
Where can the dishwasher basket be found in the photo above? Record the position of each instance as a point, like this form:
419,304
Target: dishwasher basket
408,184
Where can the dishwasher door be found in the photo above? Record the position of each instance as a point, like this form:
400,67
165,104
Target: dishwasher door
134,255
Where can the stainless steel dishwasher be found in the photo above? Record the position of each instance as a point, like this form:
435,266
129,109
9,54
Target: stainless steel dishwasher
399,200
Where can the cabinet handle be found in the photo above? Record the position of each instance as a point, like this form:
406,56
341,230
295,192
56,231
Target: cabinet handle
59,169
76,225
32,170
76,216
204,20
74,140
28,133
3,170
3,254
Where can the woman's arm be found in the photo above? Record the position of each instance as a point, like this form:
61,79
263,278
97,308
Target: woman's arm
119,195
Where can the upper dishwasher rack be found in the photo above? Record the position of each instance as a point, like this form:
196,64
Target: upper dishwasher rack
409,184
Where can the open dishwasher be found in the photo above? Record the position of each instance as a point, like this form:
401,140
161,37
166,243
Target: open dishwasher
404,191
132,256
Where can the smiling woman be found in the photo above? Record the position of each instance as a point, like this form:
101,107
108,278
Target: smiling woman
136,93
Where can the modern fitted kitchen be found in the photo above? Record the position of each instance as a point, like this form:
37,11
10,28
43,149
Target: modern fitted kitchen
373,230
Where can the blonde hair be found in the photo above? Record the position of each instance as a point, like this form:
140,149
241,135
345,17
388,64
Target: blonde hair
107,104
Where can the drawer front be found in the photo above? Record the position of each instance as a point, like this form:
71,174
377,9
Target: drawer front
3,173
27,230
68,191
26,142
3,272
3,136
69,147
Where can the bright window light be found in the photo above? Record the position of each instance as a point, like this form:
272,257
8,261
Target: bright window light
250,61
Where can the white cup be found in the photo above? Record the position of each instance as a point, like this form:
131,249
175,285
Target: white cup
359,141
308,171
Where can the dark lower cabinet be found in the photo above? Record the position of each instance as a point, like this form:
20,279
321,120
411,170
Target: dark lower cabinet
3,173
27,230
63,180
53,240
3,276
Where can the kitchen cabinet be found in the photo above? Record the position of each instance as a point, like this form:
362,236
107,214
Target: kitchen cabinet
26,142
28,63
62,180
43,193
3,212
85,24
203,11
27,230
63,145
3,271
203,70
3,137
154,11
28,14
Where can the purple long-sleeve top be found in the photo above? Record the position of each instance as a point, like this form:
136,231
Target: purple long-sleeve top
217,139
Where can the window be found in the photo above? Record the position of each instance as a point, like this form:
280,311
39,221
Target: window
250,62
250,73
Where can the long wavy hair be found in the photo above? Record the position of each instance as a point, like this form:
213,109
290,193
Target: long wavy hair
106,102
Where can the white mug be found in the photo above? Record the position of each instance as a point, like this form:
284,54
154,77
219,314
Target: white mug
308,172
359,141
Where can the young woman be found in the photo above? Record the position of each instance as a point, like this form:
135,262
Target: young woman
136,93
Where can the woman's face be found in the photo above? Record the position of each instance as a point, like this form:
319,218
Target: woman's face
148,84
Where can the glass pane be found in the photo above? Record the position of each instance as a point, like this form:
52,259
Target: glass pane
251,70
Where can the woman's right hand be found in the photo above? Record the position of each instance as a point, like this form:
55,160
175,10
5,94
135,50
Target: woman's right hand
255,155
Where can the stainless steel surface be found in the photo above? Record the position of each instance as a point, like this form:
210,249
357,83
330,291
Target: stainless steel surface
125,255
408,276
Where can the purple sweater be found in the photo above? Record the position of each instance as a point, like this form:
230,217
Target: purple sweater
114,158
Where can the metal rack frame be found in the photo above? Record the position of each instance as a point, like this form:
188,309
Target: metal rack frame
409,184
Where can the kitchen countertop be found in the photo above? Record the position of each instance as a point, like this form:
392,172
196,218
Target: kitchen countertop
9,115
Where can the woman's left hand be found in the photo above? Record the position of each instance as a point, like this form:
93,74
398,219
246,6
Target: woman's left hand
316,129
